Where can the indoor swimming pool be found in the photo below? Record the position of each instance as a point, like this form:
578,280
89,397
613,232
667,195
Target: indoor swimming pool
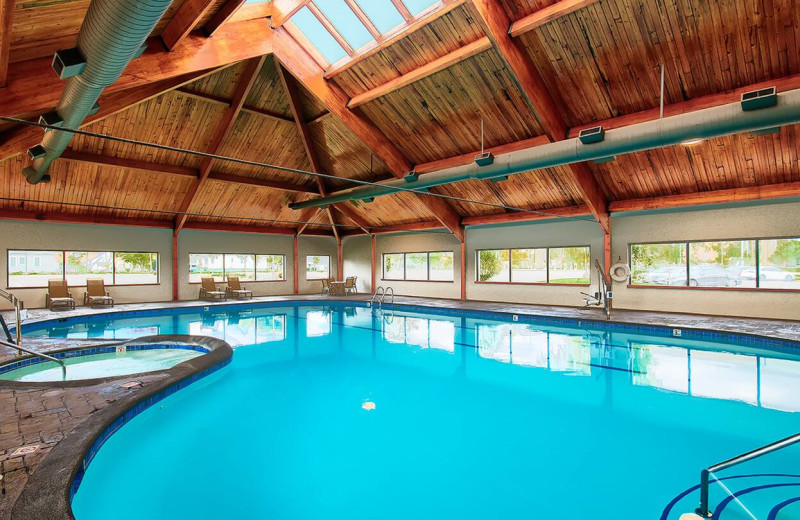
343,411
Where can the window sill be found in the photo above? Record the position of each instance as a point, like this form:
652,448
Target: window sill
731,289
543,284
428,281
242,281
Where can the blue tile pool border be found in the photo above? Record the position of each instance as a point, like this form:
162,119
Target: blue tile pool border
687,333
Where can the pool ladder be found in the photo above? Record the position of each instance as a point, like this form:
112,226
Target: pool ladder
382,292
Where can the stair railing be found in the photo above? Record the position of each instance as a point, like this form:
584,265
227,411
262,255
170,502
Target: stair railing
18,306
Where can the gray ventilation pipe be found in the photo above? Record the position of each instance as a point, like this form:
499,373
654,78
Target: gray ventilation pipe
112,34
701,124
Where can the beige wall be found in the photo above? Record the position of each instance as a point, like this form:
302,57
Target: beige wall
46,236
772,220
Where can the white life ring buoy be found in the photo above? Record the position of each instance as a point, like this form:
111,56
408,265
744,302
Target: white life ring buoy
619,272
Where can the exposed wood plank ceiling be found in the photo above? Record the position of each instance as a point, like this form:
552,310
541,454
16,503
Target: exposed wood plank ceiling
420,95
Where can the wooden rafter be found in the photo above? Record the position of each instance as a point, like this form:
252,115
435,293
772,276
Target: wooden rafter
496,24
293,95
427,16
430,68
402,9
292,56
183,21
202,96
33,88
546,15
17,140
307,217
348,211
223,14
282,10
6,21
246,80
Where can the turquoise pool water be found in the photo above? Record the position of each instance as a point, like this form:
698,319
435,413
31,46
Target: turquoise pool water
102,365
347,413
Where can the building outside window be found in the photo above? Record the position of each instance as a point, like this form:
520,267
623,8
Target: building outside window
318,267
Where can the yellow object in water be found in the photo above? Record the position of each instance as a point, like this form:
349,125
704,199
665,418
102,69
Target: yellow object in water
368,405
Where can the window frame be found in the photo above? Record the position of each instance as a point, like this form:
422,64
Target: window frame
688,244
318,279
427,266
255,267
64,267
547,264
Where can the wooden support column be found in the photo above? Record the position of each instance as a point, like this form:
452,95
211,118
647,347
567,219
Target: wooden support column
340,260
175,261
464,268
607,261
372,265
296,264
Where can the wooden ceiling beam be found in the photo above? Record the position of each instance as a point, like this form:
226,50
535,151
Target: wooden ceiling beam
219,100
348,211
282,10
223,15
17,140
496,24
183,21
519,216
424,225
305,70
246,80
547,15
784,190
429,69
6,22
307,218
244,228
293,95
33,88
392,36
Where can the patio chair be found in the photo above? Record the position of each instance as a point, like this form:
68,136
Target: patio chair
326,286
96,293
350,285
235,289
58,295
208,290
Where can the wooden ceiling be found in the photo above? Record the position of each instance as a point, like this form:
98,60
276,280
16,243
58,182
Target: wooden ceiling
598,60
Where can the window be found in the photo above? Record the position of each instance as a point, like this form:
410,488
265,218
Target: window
35,268
135,268
779,264
394,266
493,265
270,268
761,263
562,265
435,266
248,267
204,265
318,267
529,265
416,266
243,266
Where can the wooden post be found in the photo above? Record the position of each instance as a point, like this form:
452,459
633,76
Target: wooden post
372,266
607,260
175,267
340,259
296,265
464,267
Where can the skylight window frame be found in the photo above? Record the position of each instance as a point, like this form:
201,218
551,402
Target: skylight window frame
378,38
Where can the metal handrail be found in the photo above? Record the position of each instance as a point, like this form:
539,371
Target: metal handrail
37,354
18,306
703,510
385,293
381,290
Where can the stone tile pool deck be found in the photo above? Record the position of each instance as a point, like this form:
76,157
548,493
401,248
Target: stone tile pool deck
44,416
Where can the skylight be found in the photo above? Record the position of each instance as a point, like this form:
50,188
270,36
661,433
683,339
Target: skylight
339,28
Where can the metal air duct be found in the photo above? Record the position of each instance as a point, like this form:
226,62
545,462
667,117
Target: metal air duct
112,34
701,124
